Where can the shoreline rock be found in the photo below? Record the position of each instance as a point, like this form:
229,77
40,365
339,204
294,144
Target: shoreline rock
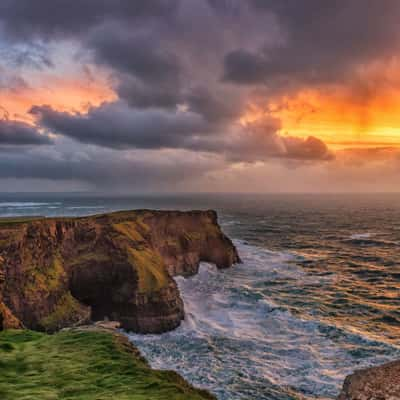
375,383
61,272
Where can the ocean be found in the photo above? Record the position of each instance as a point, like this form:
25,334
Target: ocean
316,297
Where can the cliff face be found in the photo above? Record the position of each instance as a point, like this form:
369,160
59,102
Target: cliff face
60,272
377,383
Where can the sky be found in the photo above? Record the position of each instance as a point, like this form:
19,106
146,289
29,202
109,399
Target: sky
200,95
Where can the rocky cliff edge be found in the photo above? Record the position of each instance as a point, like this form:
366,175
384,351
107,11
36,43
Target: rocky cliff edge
60,272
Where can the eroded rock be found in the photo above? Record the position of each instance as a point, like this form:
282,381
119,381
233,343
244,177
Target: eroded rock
59,272
377,383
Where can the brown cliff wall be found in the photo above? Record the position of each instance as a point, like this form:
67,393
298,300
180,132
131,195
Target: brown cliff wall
65,271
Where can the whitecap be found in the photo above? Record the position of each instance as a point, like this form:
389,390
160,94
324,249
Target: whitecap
23,204
240,344
365,235
85,207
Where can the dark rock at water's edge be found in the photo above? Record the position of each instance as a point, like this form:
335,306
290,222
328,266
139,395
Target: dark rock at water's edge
60,272
376,383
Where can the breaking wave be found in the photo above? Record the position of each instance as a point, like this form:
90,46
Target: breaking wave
25,204
244,338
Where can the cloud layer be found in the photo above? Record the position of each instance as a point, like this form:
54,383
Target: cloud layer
187,76
20,134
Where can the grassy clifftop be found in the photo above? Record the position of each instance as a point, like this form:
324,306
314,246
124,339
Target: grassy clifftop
83,365
60,272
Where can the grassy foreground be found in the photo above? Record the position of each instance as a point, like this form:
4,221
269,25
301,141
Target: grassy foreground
82,365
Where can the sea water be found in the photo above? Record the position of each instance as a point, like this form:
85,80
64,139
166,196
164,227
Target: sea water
316,296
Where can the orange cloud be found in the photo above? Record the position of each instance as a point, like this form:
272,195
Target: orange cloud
63,94
360,113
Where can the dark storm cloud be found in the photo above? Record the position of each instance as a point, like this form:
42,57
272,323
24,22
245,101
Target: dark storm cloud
122,35
116,125
139,94
242,66
104,168
147,72
260,141
137,54
213,105
19,133
51,19
310,148
155,49
322,41
167,57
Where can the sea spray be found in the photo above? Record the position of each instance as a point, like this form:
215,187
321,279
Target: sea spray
242,344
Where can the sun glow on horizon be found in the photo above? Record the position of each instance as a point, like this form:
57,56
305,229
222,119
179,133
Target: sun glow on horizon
335,118
364,112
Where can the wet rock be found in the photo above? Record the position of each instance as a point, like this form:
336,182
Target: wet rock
377,383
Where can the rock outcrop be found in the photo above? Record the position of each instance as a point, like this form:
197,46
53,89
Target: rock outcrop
377,383
59,272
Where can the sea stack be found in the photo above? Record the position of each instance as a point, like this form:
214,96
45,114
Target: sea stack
61,272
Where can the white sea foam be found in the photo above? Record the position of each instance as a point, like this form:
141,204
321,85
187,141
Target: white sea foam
85,207
241,344
26,204
365,235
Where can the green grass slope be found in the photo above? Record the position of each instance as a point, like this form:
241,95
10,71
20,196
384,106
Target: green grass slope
82,365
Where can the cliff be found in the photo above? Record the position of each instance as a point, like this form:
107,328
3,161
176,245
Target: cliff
59,272
377,383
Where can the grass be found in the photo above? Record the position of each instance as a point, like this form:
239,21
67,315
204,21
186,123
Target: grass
54,274
87,257
129,229
150,267
46,278
152,274
19,220
82,365
67,310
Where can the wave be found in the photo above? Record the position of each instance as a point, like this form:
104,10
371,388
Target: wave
370,239
373,242
85,207
365,235
23,204
241,343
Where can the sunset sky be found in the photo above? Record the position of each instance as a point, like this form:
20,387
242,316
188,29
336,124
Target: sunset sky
200,95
